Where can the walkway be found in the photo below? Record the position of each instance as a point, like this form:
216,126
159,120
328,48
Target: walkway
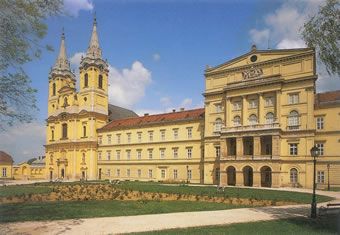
127,224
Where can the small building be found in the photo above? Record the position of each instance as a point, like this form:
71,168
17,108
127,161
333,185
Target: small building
6,164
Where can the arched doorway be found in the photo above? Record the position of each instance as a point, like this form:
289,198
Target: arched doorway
62,173
51,175
231,174
83,175
248,176
266,176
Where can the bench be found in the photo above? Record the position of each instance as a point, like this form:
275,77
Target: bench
332,208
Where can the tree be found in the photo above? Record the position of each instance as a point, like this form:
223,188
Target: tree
322,32
21,29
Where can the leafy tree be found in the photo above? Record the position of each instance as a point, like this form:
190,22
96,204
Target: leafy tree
322,31
21,29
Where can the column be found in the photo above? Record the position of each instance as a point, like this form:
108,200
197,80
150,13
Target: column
228,112
257,146
256,178
223,175
261,113
275,179
223,145
239,147
239,178
276,147
278,106
244,109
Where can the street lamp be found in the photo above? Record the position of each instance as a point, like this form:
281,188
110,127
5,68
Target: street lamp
314,153
187,174
328,166
86,174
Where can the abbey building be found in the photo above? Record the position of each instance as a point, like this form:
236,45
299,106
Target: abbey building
260,119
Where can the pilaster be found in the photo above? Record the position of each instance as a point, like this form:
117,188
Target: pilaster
261,109
239,147
244,111
276,145
257,146
223,145
239,178
256,179
277,106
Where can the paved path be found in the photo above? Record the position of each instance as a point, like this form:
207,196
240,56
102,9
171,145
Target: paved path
126,224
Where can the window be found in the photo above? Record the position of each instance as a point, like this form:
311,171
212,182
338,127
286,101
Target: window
118,139
319,123
218,108
175,134
237,121
108,172
53,89
189,150
64,127
217,174
252,103
128,172
163,174
52,134
202,174
150,154
108,155
163,135
109,139
218,124
139,154
320,177
128,154
189,174
118,172
162,153
293,149
269,101
237,105
269,118
86,80
84,131
139,172
294,176
51,159
150,173
320,149
129,138
293,98
100,140
218,151
252,120
100,81
175,153
293,118
83,158
118,155
99,155
4,172
139,136
175,174
150,136
189,133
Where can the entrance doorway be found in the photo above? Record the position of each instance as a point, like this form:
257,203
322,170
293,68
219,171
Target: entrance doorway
231,174
83,175
51,175
266,176
63,173
248,176
100,173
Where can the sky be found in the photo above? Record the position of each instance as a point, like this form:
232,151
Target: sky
157,51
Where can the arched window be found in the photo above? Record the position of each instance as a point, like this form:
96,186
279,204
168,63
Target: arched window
237,121
84,130
65,102
100,81
64,130
83,158
51,158
293,118
269,118
252,120
52,134
53,89
86,80
294,176
218,124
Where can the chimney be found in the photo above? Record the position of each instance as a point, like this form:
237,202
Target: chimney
174,110
146,114
182,109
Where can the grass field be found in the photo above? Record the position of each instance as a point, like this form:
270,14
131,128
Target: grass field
89,209
16,190
301,226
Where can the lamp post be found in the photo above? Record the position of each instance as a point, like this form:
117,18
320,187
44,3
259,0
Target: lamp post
187,174
85,173
328,166
314,154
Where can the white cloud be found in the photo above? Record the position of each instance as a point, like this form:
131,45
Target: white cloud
74,6
259,37
186,103
156,57
76,58
287,44
128,86
165,101
24,141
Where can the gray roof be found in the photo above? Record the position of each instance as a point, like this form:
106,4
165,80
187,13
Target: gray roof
117,113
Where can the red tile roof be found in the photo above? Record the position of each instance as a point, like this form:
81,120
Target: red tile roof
158,118
328,96
4,157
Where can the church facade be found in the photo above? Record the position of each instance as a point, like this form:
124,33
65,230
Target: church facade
261,118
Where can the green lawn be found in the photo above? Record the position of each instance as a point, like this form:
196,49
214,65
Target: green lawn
31,211
307,226
16,190
260,194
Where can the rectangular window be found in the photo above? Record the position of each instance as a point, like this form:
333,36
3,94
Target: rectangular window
319,123
252,103
162,153
320,177
118,139
175,134
139,137
128,154
237,105
189,175
128,172
293,98
109,139
175,153
217,176
163,135
118,172
163,174
139,154
150,136
129,138
118,155
108,172
218,108
99,155
100,140
269,101
175,174
139,172
150,154
189,153
320,149
108,155
4,172
189,133
218,151
150,173
293,149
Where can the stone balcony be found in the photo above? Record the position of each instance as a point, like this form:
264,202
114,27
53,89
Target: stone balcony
248,157
255,127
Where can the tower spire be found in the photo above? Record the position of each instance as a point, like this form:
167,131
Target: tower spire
61,62
94,51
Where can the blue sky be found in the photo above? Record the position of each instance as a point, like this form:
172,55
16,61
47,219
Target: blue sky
158,49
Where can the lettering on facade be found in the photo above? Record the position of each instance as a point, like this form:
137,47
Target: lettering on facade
252,73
